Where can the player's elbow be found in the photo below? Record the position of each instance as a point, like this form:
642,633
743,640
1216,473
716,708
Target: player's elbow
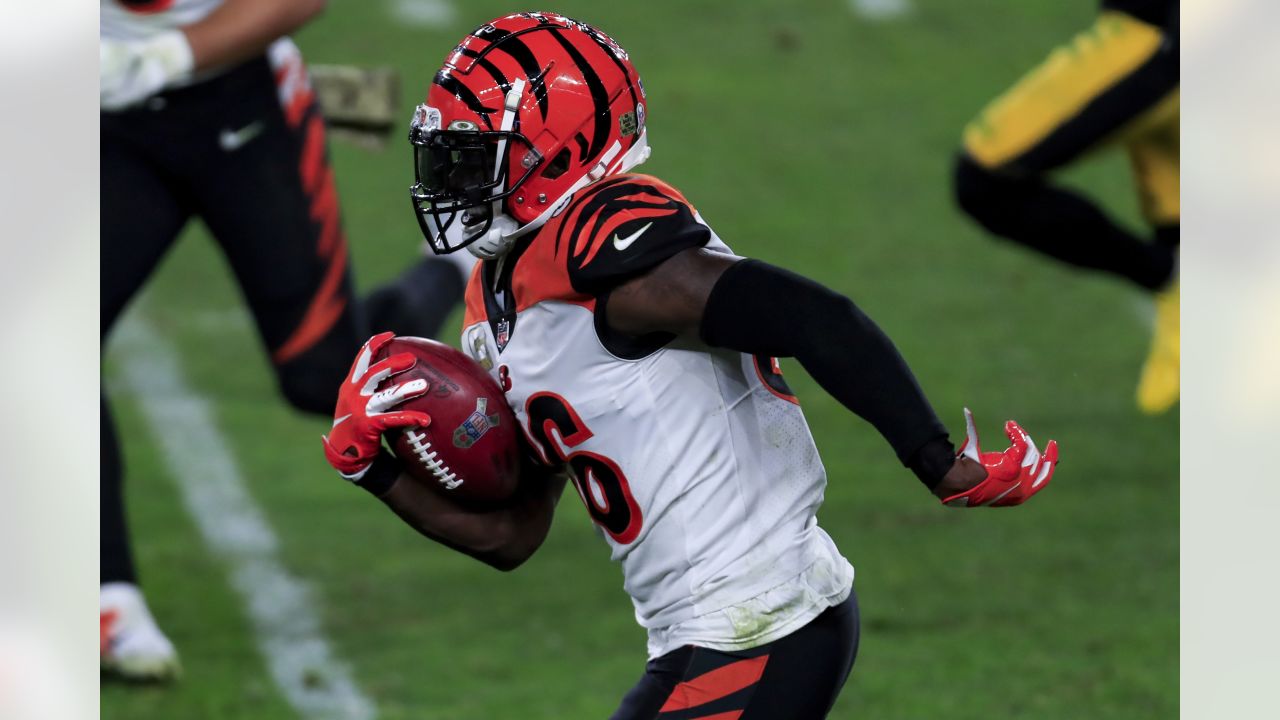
510,556
505,562
825,311
513,543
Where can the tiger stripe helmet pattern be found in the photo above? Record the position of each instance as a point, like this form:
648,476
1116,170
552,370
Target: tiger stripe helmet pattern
525,111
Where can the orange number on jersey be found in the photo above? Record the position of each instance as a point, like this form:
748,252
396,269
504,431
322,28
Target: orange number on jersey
600,482
769,370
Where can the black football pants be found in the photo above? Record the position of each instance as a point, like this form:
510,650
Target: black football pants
795,678
245,153
1123,74
249,160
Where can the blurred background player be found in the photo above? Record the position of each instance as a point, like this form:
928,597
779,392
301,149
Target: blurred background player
207,112
1114,83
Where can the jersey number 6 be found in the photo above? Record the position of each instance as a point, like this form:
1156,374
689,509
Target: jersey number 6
599,480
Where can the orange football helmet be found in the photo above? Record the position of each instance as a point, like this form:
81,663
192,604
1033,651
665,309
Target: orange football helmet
526,110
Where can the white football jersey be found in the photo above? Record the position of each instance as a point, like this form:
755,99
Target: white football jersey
695,463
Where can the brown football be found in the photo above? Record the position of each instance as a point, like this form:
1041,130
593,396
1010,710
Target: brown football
469,449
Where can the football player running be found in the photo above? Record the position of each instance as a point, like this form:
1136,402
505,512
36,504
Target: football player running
1115,84
207,111
638,354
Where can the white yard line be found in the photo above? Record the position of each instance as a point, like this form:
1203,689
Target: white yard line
283,613
423,13
880,9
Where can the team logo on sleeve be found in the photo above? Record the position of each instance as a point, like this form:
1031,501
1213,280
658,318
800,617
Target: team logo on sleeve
480,348
476,425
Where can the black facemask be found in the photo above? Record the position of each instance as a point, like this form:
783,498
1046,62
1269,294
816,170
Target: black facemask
456,183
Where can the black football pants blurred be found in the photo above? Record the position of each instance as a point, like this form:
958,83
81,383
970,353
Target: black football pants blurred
795,678
252,166
1115,83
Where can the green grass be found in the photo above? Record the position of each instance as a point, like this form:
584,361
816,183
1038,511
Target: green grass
812,140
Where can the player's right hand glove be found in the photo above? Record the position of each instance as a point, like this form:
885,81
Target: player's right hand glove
363,413
134,70
1013,476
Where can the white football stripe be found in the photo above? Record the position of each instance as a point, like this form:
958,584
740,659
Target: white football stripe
280,606
999,497
423,13
880,9
1044,473
971,449
371,385
1033,454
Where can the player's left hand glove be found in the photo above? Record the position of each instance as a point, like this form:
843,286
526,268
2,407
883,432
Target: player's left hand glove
132,71
363,413
1013,476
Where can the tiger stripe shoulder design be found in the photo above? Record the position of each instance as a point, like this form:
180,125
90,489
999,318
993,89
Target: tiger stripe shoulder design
609,233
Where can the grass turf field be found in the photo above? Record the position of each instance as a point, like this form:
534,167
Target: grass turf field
813,139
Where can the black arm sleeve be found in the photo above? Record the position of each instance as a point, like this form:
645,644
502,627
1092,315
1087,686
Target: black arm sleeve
760,309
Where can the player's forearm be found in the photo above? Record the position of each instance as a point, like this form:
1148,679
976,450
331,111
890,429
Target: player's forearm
759,309
502,537
241,29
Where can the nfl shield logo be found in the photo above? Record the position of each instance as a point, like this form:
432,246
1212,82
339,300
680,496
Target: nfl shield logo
476,425
502,333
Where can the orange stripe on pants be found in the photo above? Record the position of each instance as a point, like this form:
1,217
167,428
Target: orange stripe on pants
716,684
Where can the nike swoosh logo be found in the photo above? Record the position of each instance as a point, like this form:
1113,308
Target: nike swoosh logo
339,421
624,243
232,140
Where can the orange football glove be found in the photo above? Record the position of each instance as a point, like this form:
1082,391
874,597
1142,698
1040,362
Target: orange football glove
1013,476
362,413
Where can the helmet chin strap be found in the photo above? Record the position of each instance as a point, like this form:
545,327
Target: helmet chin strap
498,238
504,231
610,164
